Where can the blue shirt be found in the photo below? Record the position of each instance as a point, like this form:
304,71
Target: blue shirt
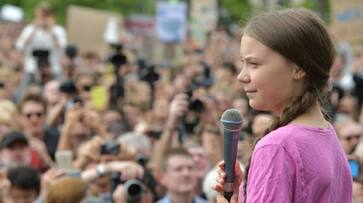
196,199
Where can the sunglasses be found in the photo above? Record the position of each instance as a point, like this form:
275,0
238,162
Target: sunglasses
37,114
87,88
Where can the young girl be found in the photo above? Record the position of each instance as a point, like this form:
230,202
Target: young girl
286,58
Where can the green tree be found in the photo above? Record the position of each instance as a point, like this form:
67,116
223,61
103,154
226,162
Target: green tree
238,10
60,6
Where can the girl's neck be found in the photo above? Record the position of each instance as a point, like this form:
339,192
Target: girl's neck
313,117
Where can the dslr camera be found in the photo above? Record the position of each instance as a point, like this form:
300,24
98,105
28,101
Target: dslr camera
195,104
110,148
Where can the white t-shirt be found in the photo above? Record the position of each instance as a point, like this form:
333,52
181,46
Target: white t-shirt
42,39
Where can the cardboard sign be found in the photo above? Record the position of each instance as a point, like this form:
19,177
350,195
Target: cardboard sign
171,21
86,27
204,14
347,20
99,97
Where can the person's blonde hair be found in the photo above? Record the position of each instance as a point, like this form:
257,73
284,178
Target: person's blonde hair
67,190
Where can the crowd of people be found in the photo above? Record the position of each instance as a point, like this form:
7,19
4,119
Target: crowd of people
93,128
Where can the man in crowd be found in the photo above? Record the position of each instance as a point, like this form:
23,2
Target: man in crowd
24,185
32,111
15,151
179,177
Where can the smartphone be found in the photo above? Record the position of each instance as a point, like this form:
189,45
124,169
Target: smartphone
64,159
69,104
354,168
74,173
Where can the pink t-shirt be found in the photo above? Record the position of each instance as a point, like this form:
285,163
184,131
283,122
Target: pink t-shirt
299,164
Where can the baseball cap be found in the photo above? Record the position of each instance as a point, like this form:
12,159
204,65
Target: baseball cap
13,137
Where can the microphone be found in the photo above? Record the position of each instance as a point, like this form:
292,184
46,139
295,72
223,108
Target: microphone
231,122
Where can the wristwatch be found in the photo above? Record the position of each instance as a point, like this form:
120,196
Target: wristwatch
101,170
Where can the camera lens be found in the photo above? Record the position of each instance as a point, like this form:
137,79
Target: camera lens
196,105
133,190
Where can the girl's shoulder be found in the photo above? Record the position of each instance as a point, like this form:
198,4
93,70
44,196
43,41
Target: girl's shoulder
292,133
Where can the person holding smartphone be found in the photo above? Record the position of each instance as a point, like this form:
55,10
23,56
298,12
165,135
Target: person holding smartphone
286,57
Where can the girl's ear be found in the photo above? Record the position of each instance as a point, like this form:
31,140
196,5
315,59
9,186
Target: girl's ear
298,72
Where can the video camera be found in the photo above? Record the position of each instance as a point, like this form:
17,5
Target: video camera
117,59
147,72
42,57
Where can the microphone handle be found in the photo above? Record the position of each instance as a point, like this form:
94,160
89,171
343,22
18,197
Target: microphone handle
230,154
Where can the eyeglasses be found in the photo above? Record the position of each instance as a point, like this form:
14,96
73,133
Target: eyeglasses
37,114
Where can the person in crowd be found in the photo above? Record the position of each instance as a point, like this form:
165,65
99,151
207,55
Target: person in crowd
32,111
43,43
7,114
350,135
291,82
24,185
67,190
15,152
179,177
55,103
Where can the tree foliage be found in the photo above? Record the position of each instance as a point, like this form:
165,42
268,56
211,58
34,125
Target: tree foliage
237,10
60,6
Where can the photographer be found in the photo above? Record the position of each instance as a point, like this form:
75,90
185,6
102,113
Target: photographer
42,43
79,123
109,169
178,108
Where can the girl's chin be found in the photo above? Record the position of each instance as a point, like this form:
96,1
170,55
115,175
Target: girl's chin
256,106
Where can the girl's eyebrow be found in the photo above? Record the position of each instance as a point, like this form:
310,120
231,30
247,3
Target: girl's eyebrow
248,58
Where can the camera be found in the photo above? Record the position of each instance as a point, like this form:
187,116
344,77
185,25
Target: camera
195,105
192,117
68,87
117,58
147,73
133,190
206,78
71,51
110,149
42,57
156,134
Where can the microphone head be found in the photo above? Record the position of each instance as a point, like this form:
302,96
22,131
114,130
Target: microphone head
232,119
